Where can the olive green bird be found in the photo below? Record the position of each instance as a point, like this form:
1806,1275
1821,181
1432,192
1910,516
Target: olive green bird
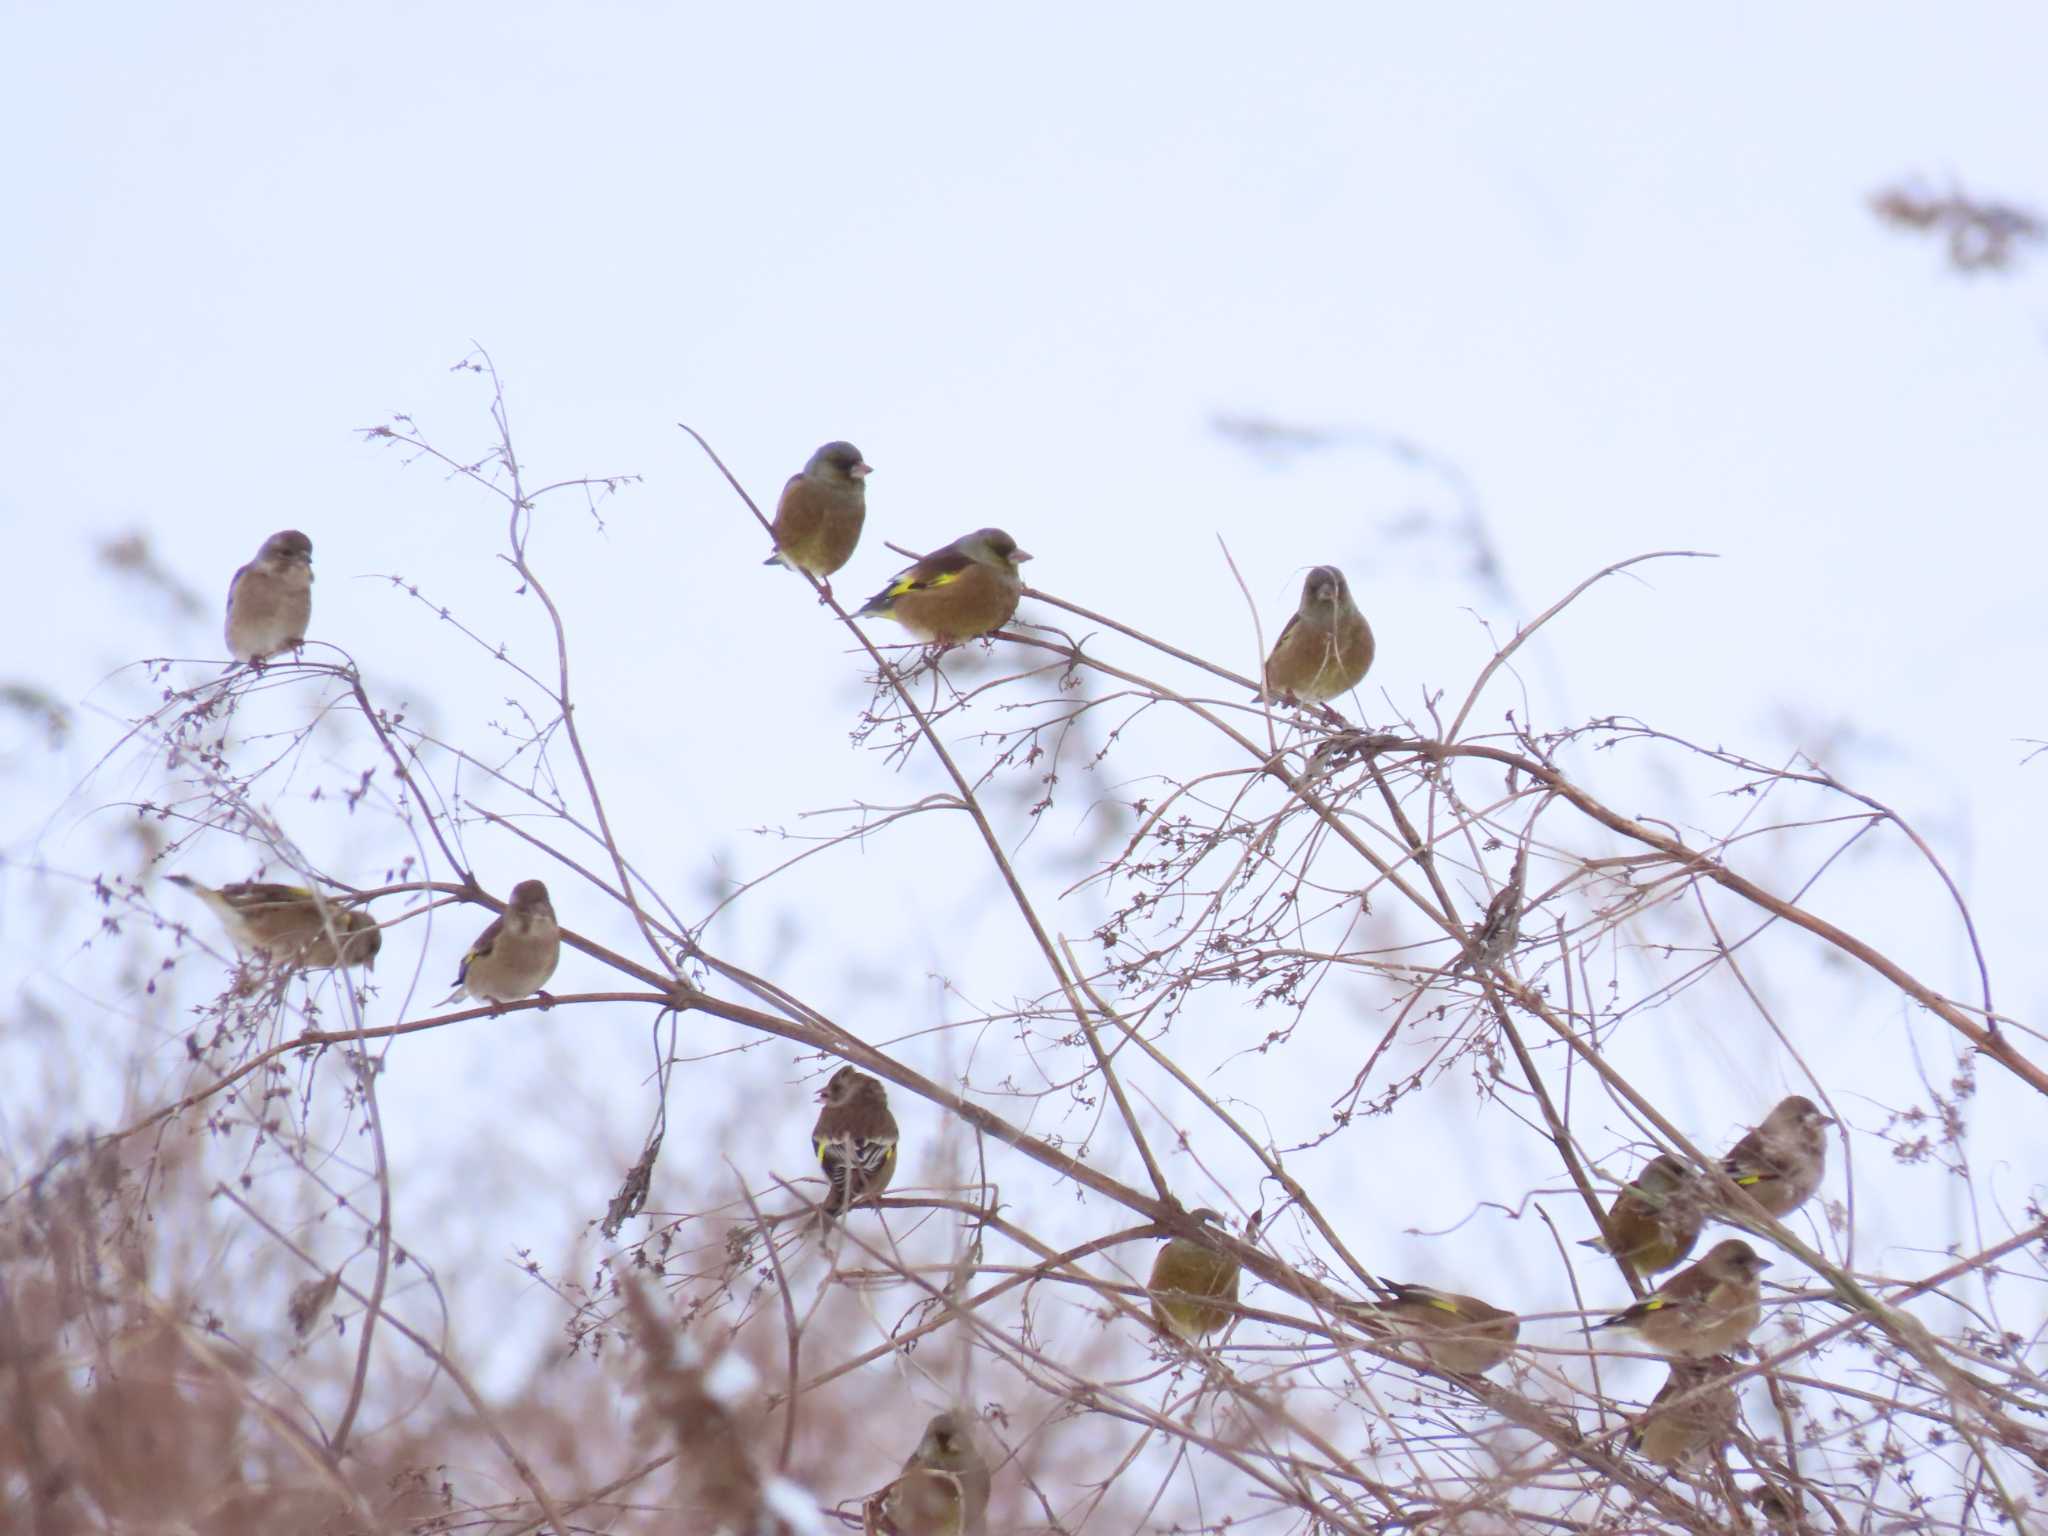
1460,1334
297,929
961,592
855,1140
943,1488
1782,1161
1657,1218
1193,1286
270,600
823,507
1326,647
1707,1309
515,954
1673,1436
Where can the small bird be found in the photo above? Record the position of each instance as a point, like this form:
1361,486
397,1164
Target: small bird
855,1139
297,928
943,1489
1326,647
1673,1436
1707,1309
270,600
1461,1334
818,521
1493,938
1657,1218
957,593
1193,1287
1782,1161
516,954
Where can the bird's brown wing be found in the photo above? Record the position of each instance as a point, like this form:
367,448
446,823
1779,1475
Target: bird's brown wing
488,939
264,893
1749,1161
1683,1296
1293,623
934,570
797,514
485,941
235,581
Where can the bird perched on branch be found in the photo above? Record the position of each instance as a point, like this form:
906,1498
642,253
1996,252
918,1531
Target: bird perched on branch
270,600
1461,1334
1493,938
296,928
943,1488
819,518
1193,1287
516,954
1672,1436
1782,1161
957,593
1707,1309
855,1139
1657,1218
1326,648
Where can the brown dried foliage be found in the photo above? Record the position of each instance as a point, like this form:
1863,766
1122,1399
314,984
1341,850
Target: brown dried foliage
1980,234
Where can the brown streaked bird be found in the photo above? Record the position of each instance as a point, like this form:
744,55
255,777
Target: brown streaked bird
1708,1309
1460,1334
1193,1287
958,593
516,954
943,1488
1676,1435
819,518
1782,1161
1657,1218
1494,936
296,928
1326,647
855,1140
270,600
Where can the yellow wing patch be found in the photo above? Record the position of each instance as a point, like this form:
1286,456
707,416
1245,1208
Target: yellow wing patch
908,582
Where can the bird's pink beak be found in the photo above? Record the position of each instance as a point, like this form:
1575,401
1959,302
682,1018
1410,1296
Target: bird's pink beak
861,471
1021,556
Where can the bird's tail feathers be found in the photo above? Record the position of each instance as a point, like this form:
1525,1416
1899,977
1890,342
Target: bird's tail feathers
210,896
838,1190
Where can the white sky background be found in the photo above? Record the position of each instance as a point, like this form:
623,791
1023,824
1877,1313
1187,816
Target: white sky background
1622,275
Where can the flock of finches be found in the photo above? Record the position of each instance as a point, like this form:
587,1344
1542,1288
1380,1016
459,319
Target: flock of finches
958,593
